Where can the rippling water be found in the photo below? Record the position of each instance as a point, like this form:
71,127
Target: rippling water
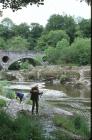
63,98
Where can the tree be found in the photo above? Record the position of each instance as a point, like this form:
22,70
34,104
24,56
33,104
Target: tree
2,43
51,55
7,22
18,4
85,27
55,36
79,52
17,44
51,39
55,22
59,22
62,44
36,30
70,27
5,32
22,30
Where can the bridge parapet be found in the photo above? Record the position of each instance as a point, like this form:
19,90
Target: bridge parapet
9,57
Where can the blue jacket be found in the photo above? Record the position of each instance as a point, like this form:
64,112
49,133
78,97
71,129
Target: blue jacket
20,95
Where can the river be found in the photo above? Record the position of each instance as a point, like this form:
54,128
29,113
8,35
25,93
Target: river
61,96
59,99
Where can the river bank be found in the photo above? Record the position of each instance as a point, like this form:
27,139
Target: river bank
66,98
73,75
54,106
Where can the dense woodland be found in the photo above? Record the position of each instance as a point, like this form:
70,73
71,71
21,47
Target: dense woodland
64,39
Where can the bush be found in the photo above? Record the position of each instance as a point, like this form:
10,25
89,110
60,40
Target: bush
78,53
2,103
10,94
24,127
77,124
64,78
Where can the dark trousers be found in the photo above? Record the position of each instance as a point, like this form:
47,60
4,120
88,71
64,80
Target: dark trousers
34,102
19,98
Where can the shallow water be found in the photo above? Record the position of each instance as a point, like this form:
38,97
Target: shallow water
71,91
59,99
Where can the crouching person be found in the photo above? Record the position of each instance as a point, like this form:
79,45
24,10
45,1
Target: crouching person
20,96
34,92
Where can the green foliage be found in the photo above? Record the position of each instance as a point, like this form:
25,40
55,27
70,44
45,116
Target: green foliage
78,53
51,39
61,135
55,22
6,92
5,32
10,94
2,43
21,30
2,103
55,36
85,27
38,59
42,42
2,89
67,76
7,22
77,124
18,4
64,78
57,39
17,44
54,54
51,55
62,44
24,65
36,30
66,23
25,127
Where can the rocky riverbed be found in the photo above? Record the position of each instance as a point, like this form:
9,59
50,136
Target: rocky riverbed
76,76
53,101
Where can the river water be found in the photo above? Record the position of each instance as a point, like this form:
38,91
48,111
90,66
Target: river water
70,96
63,98
60,99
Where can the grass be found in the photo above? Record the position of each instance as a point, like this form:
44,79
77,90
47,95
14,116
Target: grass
25,127
75,124
2,103
6,92
29,102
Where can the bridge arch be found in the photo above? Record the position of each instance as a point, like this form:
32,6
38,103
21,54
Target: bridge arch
31,61
8,58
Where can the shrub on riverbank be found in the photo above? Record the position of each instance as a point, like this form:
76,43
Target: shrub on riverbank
6,92
2,103
69,76
25,127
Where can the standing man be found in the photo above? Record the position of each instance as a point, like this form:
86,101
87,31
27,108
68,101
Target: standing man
35,98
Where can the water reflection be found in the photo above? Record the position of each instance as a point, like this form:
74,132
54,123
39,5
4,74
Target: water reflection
71,91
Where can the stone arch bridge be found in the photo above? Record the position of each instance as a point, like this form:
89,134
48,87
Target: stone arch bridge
7,57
